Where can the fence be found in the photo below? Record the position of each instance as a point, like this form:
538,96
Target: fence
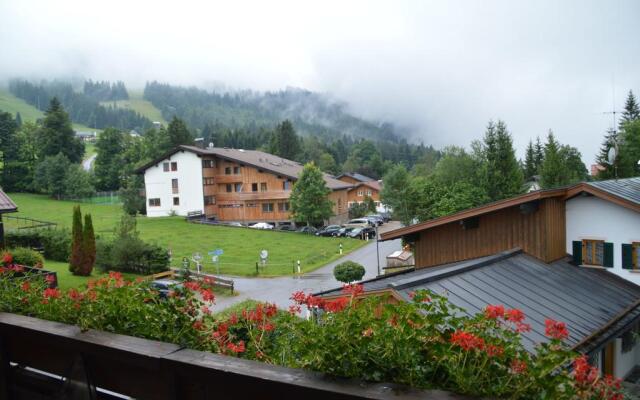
24,223
35,354
107,198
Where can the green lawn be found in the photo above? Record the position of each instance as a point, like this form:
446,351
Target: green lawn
139,105
67,280
241,246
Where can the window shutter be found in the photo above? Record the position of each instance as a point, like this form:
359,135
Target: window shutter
577,252
608,255
627,256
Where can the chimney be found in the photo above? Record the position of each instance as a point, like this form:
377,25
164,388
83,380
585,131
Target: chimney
199,142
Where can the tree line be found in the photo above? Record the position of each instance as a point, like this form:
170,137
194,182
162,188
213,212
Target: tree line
105,90
83,108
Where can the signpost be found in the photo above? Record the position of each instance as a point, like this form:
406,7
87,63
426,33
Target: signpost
215,258
264,254
197,258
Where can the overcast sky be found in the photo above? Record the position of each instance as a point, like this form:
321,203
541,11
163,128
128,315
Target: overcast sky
443,69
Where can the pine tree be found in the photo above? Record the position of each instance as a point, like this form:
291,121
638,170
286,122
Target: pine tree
631,111
539,155
57,135
285,142
610,138
88,247
108,163
503,176
178,133
77,248
309,202
529,168
552,168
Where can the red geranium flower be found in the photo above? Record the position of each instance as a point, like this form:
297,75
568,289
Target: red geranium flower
7,258
50,293
207,295
466,340
555,329
25,286
514,315
494,312
518,366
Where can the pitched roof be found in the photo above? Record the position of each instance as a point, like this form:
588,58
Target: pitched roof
254,158
373,185
595,304
356,176
6,204
624,192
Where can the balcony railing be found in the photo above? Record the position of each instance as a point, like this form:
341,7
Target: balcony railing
35,354
248,196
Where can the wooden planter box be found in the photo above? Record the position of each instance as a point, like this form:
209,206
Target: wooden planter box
97,362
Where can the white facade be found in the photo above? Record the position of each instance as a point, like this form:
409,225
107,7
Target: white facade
589,217
159,185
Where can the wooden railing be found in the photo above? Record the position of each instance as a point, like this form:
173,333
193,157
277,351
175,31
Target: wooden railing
35,353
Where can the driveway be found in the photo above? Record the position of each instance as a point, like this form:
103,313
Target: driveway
86,164
278,290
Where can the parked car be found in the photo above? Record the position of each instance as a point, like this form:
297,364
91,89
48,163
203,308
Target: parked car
310,230
342,232
378,218
164,286
288,228
261,225
362,233
374,220
233,224
358,223
328,230
386,216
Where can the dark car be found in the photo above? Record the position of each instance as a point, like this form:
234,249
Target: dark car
164,286
342,232
362,233
374,220
309,230
289,228
380,220
328,230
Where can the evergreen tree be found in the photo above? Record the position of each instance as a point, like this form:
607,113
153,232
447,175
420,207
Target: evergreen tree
396,193
309,202
88,247
630,150
539,155
631,111
178,133
610,139
108,163
50,175
8,143
18,120
77,242
285,142
503,176
133,202
530,168
552,174
57,135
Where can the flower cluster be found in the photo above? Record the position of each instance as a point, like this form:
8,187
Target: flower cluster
466,340
513,316
556,330
587,378
204,289
330,305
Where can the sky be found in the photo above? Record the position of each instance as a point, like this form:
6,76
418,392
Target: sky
440,69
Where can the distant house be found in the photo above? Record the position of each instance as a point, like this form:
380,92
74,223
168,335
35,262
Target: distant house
6,206
87,136
570,254
228,185
363,187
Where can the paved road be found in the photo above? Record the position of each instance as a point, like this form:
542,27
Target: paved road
278,290
86,164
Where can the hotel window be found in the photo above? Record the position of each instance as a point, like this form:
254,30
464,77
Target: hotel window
174,166
360,193
174,186
286,185
229,188
227,171
254,187
176,201
263,186
154,202
165,167
209,200
236,170
208,181
208,164
369,192
267,207
238,187
631,255
283,206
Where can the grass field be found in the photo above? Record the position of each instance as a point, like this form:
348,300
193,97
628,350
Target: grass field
67,280
11,104
241,246
139,105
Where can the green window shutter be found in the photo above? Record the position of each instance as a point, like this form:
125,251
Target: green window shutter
577,252
608,255
627,256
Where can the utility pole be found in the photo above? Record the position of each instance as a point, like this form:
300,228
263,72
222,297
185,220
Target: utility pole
377,250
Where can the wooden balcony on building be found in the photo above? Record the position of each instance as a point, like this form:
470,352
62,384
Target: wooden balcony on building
253,196
227,178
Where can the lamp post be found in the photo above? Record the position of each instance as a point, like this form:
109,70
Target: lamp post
377,250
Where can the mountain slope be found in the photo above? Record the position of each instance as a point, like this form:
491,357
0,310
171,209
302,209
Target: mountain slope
138,104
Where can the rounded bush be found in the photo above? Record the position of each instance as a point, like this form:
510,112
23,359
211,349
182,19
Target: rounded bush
348,271
27,257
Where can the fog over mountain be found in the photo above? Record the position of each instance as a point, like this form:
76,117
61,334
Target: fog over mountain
440,69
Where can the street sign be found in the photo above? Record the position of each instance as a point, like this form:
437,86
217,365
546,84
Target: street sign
216,252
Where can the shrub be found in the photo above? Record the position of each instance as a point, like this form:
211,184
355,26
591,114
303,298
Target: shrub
56,242
348,271
26,256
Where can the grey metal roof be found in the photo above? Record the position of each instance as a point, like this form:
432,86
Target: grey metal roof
628,188
587,300
357,176
6,204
